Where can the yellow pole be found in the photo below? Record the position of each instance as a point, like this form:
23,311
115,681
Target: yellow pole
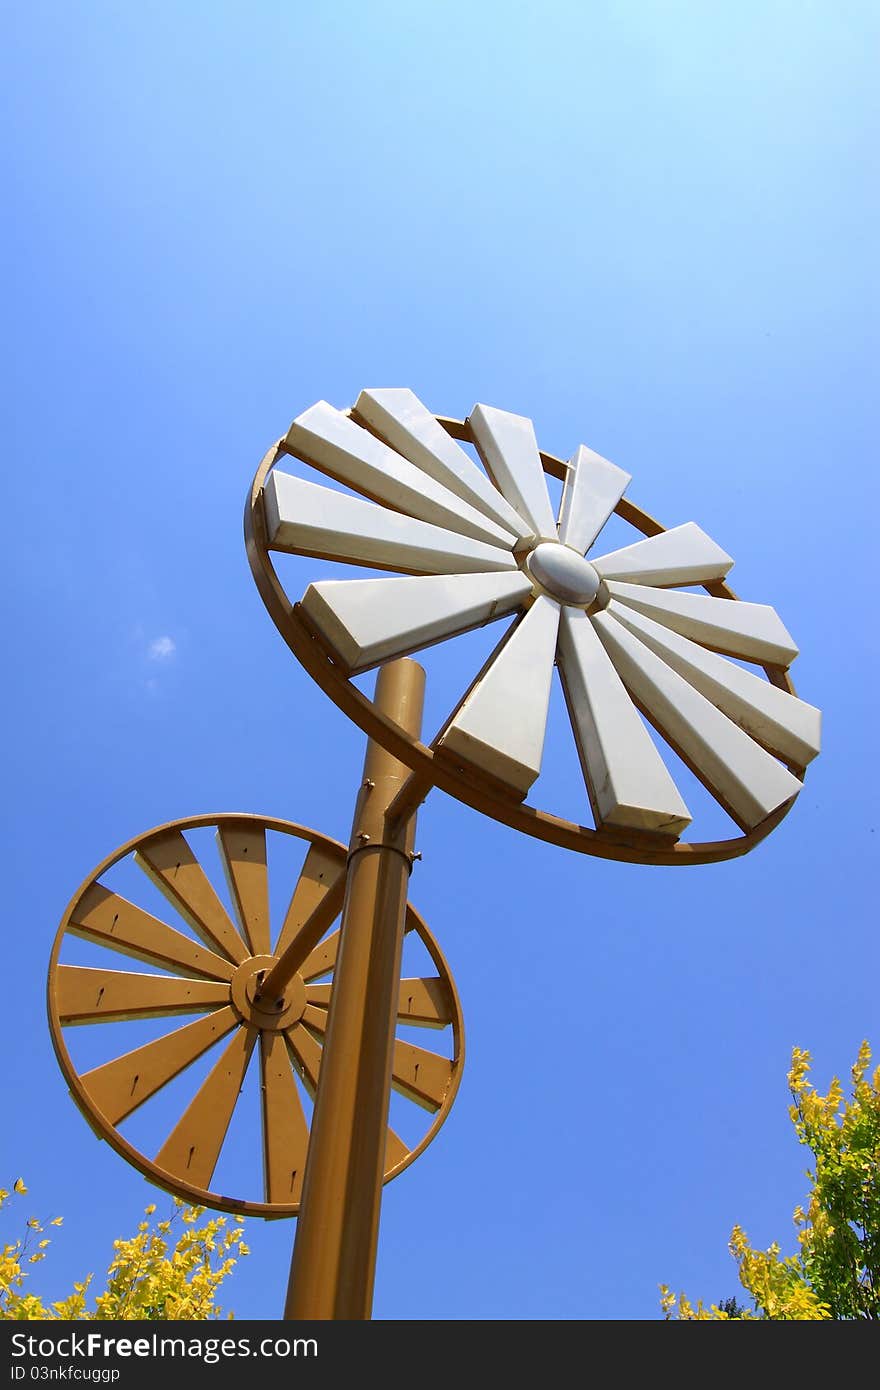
334,1256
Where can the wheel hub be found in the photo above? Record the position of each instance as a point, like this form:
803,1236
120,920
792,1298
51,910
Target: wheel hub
256,1009
563,573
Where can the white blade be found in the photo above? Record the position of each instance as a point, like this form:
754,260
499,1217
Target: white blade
500,727
684,555
507,445
748,782
627,779
781,722
398,416
593,488
309,519
752,631
367,621
332,442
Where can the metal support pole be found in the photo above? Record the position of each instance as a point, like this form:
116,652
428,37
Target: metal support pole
334,1256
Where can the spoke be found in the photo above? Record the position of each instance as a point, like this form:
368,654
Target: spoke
84,995
243,854
367,621
306,1052
332,442
421,1076
748,782
170,864
684,555
112,921
626,778
322,959
426,1003
193,1147
319,995
306,1056
751,631
316,901
309,519
399,418
119,1087
593,488
315,1018
395,1150
508,447
285,1131
501,725
780,721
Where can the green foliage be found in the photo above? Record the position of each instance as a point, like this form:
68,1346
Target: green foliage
836,1271
158,1273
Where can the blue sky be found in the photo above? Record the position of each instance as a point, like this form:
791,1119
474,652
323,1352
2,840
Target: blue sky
650,227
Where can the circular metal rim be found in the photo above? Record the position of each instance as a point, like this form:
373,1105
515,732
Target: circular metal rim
309,650
157,1176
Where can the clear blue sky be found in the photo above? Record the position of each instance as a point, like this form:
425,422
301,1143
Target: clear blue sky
652,227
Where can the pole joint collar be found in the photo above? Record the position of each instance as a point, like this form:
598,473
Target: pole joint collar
365,844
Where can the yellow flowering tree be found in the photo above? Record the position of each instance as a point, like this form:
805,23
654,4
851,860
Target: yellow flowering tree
836,1271
169,1269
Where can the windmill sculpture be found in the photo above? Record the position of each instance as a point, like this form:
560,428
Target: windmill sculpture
467,545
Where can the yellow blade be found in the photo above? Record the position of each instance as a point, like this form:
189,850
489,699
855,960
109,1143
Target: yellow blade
171,865
193,1147
316,898
285,1131
319,994
243,853
84,995
322,958
119,1087
315,1018
306,1056
395,1150
417,1074
112,921
425,1002
420,1076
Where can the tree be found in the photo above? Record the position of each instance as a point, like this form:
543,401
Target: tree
836,1271
157,1273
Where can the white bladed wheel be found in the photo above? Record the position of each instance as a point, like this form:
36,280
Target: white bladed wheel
190,979
631,640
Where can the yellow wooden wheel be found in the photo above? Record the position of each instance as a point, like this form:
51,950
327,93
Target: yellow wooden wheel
208,961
